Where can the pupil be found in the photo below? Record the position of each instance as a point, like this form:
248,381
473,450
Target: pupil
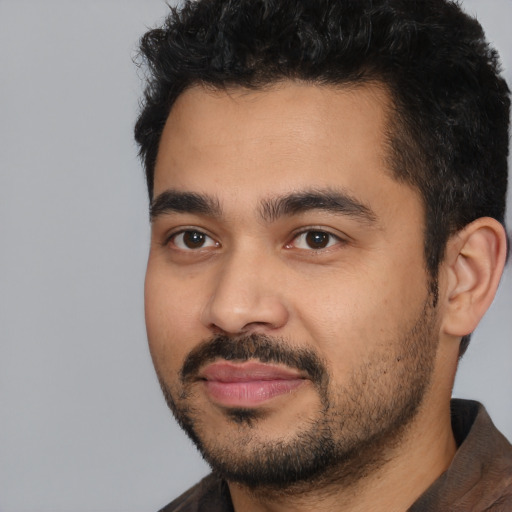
317,239
193,239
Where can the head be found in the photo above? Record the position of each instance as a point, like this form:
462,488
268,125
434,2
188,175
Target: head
407,97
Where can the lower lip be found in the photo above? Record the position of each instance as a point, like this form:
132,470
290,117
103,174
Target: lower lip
249,393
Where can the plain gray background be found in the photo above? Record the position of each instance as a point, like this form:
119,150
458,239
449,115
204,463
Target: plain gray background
83,426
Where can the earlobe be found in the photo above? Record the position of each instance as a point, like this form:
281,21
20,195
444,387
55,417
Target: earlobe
475,258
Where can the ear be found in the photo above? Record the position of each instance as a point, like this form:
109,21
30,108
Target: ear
474,261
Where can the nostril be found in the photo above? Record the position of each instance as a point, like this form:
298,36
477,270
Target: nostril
242,303
247,329
215,329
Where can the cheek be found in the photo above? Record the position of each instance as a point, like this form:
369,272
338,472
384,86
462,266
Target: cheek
351,315
172,312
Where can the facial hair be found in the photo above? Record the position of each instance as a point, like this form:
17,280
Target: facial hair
349,435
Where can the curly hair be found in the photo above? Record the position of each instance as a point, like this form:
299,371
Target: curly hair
448,134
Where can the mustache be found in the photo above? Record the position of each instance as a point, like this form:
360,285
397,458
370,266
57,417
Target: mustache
265,349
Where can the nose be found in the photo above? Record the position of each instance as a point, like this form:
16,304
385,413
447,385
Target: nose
246,297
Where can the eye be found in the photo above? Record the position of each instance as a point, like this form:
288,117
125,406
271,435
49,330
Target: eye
191,239
314,239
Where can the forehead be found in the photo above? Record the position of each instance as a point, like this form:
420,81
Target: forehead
278,140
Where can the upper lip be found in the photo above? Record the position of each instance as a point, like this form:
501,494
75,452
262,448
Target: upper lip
226,371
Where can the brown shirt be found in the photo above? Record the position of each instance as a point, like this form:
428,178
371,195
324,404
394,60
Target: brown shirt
479,478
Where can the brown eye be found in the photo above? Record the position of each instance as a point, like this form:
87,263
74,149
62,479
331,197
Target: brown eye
191,239
317,239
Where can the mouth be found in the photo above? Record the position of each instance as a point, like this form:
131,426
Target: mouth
248,384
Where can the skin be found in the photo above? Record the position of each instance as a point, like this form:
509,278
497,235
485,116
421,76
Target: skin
351,302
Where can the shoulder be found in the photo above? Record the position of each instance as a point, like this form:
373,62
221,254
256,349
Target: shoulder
210,494
186,502
480,475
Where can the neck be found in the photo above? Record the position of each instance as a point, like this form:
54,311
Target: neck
403,472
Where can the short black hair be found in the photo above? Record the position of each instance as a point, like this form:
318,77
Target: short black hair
448,134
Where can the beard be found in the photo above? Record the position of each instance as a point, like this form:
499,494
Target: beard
348,435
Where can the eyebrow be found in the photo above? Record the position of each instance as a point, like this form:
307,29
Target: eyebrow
271,209
327,200
173,201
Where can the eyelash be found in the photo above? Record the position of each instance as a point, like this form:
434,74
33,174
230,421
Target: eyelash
331,241
172,239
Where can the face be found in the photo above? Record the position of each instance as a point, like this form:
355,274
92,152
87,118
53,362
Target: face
287,302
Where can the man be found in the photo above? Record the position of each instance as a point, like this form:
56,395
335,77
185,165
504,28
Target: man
327,182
